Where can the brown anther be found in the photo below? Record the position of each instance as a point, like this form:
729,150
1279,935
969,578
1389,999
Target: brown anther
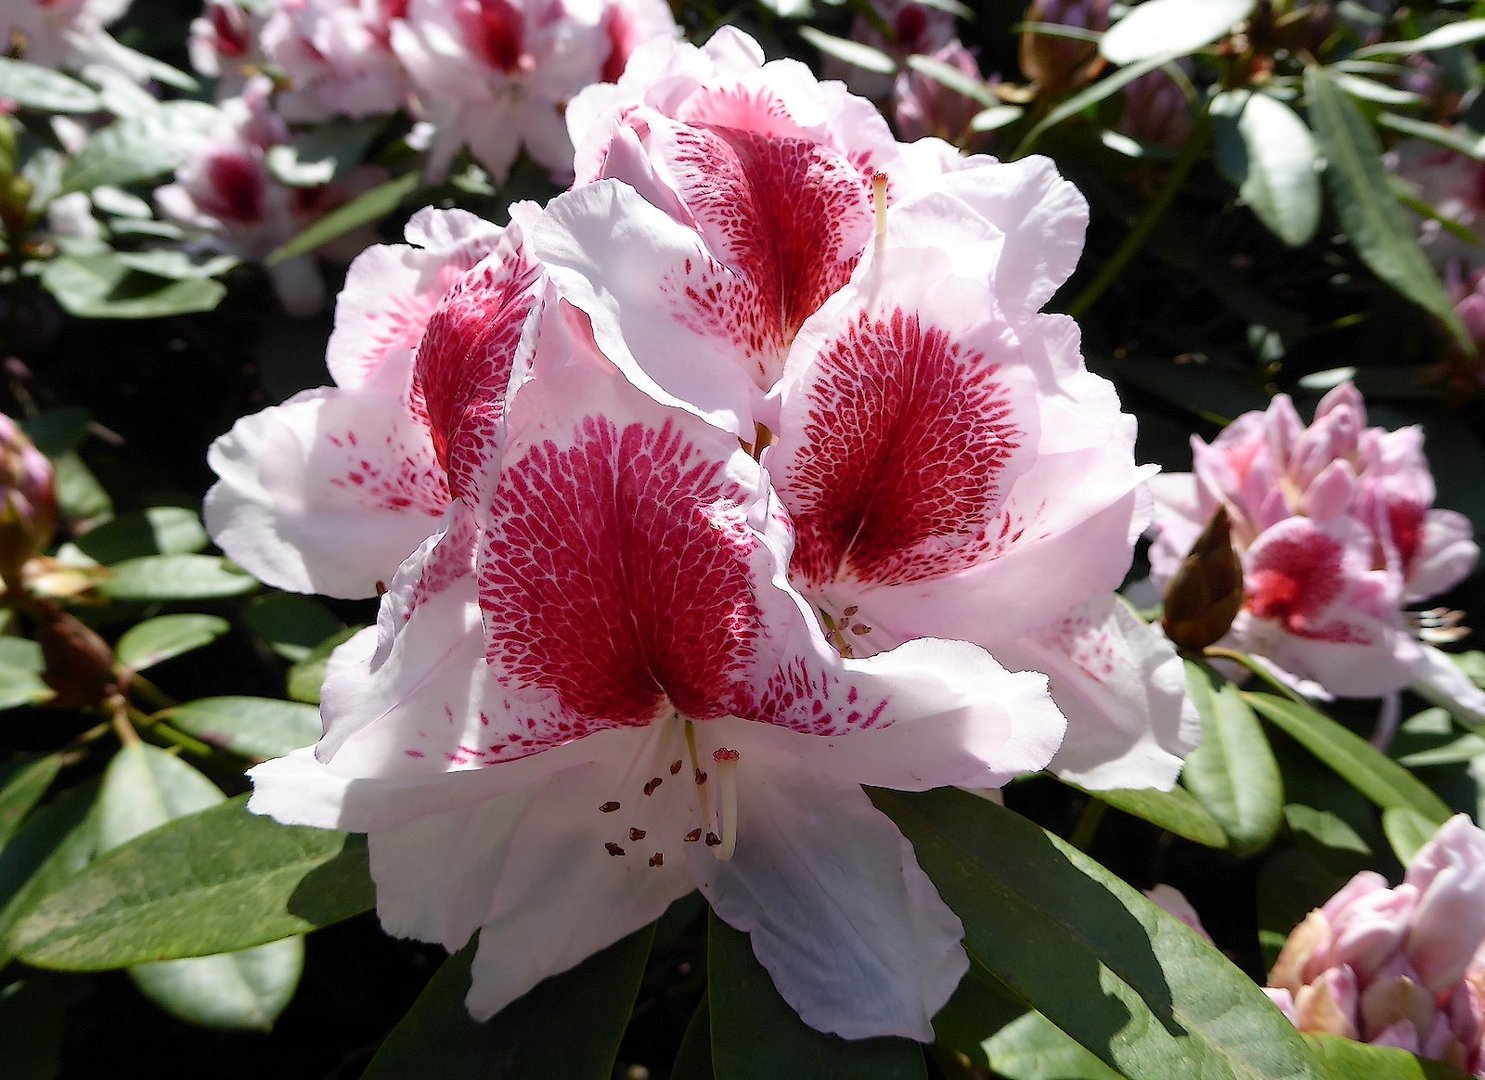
613,848
652,785
608,807
693,836
675,766
860,628
657,859
713,840
381,588
722,755
636,834
700,777
850,611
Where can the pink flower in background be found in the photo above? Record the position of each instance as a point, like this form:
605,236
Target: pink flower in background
28,502
337,58
1155,111
1453,185
924,106
60,33
914,29
593,691
1398,966
1337,531
1052,62
224,41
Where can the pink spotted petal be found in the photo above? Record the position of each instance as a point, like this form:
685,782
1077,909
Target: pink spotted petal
1122,688
1437,678
326,493
1444,555
851,930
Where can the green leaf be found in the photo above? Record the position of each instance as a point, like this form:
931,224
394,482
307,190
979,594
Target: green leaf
292,625
54,844
31,1022
364,209
138,147
1131,983
144,788
1232,772
1291,884
21,665
1176,811
949,76
851,52
1460,139
307,676
1407,831
79,495
1377,226
1269,154
755,1033
1171,28
1445,37
57,431
160,530
101,287
1366,768
1466,747
1371,90
693,1059
258,728
567,1026
1327,835
1346,1059
216,881
156,640
176,577
34,87
1089,97
23,781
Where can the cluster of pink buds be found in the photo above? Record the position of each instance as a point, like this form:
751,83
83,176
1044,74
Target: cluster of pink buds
28,502
1398,966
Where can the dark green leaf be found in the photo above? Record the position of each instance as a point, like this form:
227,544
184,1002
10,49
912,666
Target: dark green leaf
176,577
160,530
31,1020
693,1061
292,625
23,781
1130,982
80,496
1374,222
364,209
1176,811
156,640
138,147
949,76
1407,831
258,728
1232,772
55,842
57,431
1268,153
101,287
34,87
1327,835
1366,768
567,1026
1291,884
1345,1059
217,881
307,676
755,1033
1445,37
21,665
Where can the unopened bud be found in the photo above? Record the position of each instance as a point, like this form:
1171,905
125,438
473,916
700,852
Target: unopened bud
1206,592
79,663
1057,64
28,502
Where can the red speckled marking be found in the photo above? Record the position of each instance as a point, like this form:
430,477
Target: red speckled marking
1293,579
463,365
900,475
786,216
238,184
393,476
496,30
804,696
1406,521
616,575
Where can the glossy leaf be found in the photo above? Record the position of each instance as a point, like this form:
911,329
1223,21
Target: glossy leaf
1346,1059
1328,836
167,636
176,577
755,1033
567,1026
851,52
23,781
216,881
1176,811
1407,831
79,494
258,728
1266,150
1232,771
952,78
995,1031
1170,27
32,86
21,665
1445,37
1373,220
146,787
365,209
292,625
101,287
55,843
1130,982
1365,767
693,1059
160,530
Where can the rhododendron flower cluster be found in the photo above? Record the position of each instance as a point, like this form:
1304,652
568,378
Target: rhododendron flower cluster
60,33
743,474
1337,532
1398,966
492,75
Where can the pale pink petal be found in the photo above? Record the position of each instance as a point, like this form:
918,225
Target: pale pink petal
1437,678
326,493
851,930
1443,556
1172,901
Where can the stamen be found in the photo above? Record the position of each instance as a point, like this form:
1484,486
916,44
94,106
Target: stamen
657,859
636,834
608,807
879,207
675,766
726,762
693,836
613,848
649,788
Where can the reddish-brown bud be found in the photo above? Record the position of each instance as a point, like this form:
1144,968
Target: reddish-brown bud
1206,592
79,663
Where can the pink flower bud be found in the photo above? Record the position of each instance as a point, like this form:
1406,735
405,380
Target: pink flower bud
28,501
924,106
